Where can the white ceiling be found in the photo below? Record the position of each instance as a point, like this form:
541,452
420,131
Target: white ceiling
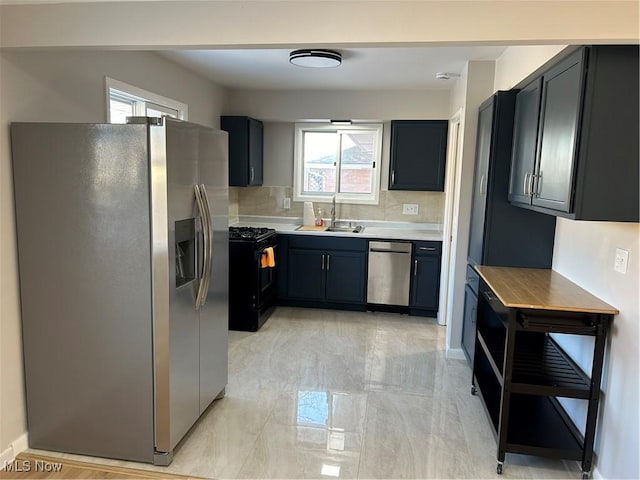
405,68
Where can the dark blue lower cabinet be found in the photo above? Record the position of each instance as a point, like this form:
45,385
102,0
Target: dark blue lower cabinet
425,284
306,274
320,277
345,277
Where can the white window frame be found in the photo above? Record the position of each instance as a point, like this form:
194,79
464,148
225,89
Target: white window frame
298,165
141,98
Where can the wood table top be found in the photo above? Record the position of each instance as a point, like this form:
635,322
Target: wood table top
542,289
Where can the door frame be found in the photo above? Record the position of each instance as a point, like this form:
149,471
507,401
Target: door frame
451,205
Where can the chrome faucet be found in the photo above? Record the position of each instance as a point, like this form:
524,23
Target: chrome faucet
333,211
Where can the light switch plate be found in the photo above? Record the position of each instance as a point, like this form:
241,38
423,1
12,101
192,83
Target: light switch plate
286,203
621,261
410,209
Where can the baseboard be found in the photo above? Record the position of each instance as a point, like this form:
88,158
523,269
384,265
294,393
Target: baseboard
6,457
455,354
19,445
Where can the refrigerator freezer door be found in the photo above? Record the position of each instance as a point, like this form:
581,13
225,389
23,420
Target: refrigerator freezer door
82,216
214,314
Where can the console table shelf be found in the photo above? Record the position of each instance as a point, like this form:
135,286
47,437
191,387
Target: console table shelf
520,370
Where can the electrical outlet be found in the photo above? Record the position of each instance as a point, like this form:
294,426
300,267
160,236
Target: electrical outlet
286,203
410,209
621,261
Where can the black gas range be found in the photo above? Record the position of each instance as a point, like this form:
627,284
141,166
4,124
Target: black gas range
252,287
251,234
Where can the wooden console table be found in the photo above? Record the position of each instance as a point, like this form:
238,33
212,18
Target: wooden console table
519,370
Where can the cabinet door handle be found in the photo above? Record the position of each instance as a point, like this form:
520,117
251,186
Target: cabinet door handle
428,249
538,184
525,185
393,177
328,258
532,179
253,174
483,189
415,268
322,261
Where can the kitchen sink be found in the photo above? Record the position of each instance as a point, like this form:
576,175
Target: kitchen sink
347,228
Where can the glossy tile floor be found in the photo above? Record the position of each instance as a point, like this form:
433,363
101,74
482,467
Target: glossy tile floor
333,394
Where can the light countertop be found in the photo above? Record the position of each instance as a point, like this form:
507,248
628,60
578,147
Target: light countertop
372,229
540,288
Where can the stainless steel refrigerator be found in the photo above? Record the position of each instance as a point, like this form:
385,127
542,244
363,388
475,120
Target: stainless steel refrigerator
123,255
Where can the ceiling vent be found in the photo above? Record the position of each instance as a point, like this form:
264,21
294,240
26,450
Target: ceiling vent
315,58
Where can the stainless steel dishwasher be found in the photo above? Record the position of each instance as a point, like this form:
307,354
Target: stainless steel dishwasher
389,273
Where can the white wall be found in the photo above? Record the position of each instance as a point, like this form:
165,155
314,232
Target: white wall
584,252
58,86
281,109
518,62
278,154
472,88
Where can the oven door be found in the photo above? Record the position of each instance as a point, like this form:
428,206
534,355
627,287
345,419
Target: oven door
266,281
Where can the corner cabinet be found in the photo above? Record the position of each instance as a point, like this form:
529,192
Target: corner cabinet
418,155
520,370
245,150
326,271
425,278
575,147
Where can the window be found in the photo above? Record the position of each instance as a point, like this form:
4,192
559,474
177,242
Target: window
125,100
337,160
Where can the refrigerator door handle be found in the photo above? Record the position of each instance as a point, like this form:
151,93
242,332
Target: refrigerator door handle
209,267
205,247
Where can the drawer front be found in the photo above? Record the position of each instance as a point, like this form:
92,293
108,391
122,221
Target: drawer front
473,279
427,248
322,242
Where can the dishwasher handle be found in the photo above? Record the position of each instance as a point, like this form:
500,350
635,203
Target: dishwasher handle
388,251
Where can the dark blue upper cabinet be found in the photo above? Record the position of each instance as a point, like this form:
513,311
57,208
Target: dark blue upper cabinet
560,112
525,141
586,151
418,154
245,150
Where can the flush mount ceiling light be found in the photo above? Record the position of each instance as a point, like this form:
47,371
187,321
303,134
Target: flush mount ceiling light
315,58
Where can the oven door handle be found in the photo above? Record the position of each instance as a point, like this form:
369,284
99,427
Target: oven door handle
262,252
209,263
